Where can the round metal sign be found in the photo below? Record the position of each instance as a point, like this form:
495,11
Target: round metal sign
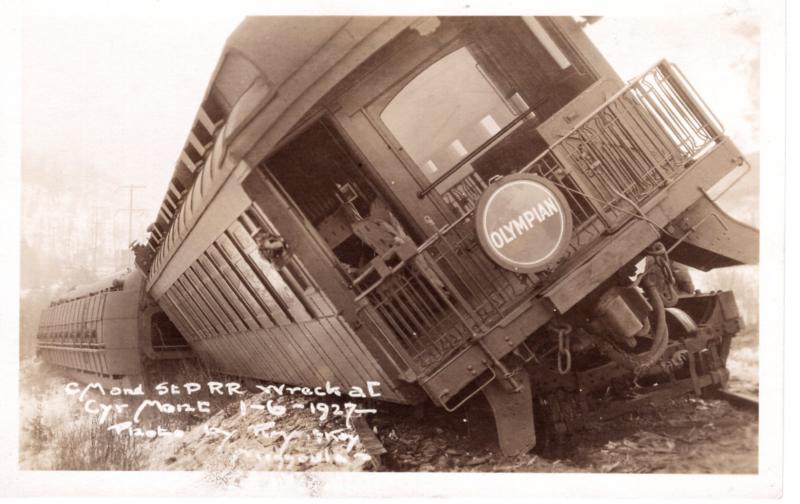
523,223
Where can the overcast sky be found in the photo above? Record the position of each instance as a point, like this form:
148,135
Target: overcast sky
117,95
718,54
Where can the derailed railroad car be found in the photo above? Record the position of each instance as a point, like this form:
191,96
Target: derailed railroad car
109,332
451,206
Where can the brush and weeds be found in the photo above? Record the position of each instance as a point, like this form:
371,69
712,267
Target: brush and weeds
57,434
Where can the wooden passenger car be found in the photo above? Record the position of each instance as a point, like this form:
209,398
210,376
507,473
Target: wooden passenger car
107,332
320,222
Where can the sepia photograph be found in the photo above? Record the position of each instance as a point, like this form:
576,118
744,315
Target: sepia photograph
317,252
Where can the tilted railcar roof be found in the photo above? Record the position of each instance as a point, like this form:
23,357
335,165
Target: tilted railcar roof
272,71
267,44
115,281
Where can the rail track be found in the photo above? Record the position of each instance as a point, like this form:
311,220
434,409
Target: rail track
738,400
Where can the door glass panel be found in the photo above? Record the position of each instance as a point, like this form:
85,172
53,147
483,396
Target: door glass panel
445,113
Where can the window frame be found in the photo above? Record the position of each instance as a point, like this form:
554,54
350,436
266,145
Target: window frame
465,38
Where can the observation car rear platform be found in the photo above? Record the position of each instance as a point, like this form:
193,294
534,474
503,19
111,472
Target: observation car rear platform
329,217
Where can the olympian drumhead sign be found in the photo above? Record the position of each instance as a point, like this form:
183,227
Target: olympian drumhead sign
523,222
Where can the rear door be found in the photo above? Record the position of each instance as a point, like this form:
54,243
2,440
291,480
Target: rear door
448,106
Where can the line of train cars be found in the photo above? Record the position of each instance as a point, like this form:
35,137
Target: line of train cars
453,207
109,332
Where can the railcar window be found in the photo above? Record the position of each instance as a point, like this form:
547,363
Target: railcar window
544,38
448,111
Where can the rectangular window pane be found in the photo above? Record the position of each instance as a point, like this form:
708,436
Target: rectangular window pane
548,43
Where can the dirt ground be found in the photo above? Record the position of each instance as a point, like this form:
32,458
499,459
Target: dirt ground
687,435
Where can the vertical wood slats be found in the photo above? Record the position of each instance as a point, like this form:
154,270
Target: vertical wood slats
259,320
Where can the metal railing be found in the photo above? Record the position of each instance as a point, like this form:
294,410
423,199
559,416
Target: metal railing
464,195
428,303
431,304
635,143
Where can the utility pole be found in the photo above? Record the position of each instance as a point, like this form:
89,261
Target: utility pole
96,236
130,238
94,242
130,211
130,188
